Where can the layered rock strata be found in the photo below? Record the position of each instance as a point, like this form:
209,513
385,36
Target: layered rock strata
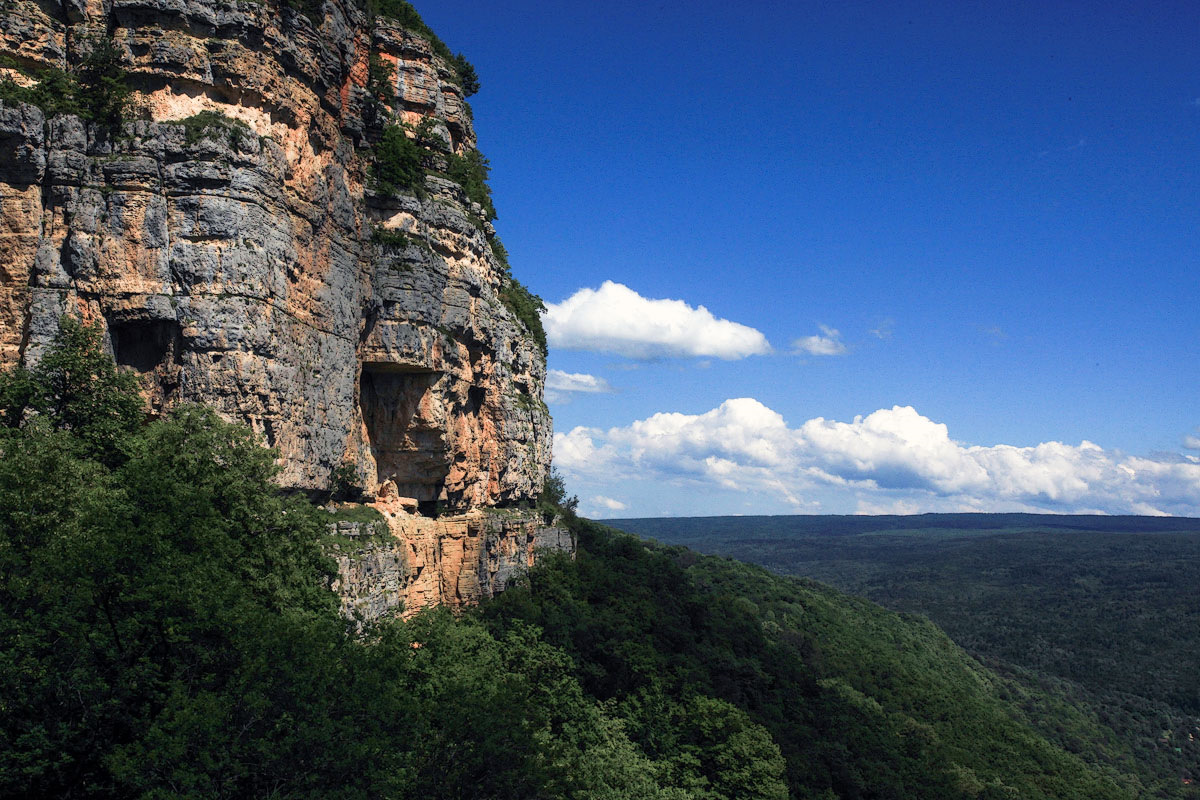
238,263
411,562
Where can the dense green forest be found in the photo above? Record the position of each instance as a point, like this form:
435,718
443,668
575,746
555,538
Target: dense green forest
168,630
1098,616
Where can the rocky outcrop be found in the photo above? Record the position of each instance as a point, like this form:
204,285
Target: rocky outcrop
234,259
411,562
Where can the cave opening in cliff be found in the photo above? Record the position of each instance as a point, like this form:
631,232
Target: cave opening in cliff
407,441
154,349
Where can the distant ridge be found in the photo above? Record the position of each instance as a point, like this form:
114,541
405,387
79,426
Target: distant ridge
680,529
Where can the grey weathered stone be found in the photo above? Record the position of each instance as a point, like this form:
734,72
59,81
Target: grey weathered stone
239,269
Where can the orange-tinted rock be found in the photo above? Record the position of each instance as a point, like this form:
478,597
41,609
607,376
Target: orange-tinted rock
450,561
236,265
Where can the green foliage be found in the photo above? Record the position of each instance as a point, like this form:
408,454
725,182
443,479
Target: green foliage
470,171
55,92
381,86
1085,619
211,123
425,134
500,253
103,91
466,74
403,13
357,512
169,631
390,237
860,702
527,308
553,502
95,89
76,388
397,165
345,482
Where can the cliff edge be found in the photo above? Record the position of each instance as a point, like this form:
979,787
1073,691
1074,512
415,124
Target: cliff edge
243,246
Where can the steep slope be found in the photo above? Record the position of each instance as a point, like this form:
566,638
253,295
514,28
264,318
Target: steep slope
233,235
862,702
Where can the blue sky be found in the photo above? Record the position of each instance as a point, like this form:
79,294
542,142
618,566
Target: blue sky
949,252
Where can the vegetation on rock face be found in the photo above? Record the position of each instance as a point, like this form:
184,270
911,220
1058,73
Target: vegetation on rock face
95,89
470,171
398,162
403,13
553,502
210,123
55,92
398,165
389,237
527,307
381,76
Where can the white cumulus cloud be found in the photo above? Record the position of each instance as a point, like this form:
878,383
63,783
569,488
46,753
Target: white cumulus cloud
560,381
616,319
892,458
828,343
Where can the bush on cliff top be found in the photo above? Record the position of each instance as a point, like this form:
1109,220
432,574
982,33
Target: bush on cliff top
403,13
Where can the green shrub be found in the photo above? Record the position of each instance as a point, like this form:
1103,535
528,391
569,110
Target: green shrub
103,93
397,165
403,13
208,123
470,171
55,92
345,482
500,252
466,74
381,76
553,501
77,388
526,307
390,237
426,135
357,512
95,89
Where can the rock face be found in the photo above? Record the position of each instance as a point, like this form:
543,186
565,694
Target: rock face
411,562
238,263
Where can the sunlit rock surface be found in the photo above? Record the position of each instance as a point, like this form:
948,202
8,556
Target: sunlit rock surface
236,266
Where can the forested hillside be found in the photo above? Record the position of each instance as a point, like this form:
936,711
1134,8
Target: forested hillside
1093,619
169,630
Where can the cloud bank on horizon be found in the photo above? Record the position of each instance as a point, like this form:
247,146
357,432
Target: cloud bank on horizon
616,319
892,461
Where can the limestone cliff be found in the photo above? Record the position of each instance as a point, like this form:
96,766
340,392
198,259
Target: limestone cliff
235,257
407,563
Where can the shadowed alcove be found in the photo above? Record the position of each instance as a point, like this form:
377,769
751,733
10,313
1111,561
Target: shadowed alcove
153,348
409,448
